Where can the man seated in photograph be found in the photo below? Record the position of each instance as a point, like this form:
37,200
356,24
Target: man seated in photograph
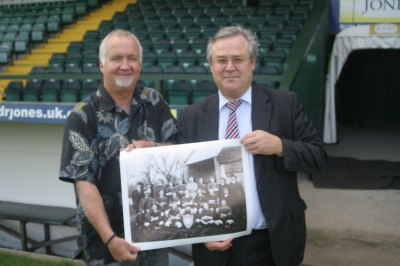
205,215
154,218
224,214
174,217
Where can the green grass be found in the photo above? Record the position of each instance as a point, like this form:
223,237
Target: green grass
14,259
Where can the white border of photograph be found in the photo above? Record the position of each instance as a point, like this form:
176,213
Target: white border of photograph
131,163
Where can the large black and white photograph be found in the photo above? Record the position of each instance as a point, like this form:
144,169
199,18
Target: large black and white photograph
184,194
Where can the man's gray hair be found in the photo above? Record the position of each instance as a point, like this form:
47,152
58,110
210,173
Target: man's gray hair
118,32
231,31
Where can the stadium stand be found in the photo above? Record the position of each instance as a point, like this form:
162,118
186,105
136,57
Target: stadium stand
173,33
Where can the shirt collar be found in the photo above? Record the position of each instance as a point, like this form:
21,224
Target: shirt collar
246,97
107,103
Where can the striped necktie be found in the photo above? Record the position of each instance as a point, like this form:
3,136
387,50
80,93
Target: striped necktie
232,130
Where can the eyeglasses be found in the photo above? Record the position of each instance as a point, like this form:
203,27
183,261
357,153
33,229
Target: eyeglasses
236,61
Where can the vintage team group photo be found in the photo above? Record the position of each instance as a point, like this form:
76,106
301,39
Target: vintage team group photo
184,194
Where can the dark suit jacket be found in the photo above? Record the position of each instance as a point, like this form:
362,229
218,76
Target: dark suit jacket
278,113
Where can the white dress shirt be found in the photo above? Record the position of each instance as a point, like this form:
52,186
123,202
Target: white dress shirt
243,116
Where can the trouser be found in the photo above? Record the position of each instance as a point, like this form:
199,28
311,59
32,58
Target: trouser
156,257
254,250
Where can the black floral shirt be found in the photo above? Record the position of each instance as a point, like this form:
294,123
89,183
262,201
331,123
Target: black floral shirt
94,133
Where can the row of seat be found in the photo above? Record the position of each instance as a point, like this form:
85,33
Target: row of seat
54,90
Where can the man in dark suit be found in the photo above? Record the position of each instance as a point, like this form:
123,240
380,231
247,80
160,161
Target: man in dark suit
281,141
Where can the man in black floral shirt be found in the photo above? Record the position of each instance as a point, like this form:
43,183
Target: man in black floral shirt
96,130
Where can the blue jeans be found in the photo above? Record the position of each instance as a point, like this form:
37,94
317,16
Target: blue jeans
156,257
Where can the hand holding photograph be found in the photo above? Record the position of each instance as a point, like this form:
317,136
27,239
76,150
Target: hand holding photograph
185,194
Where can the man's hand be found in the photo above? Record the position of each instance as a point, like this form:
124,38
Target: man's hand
121,250
219,245
263,143
140,144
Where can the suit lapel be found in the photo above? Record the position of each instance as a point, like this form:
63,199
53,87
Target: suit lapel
209,128
261,116
261,109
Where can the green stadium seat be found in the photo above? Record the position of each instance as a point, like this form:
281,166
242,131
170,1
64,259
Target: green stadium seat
162,45
50,90
53,26
88,86
203,89
149,58
214,11
81,9
199,45
90,68
70,91
13,91
166,58
92,3
181,44
21,46
172,69
68,15
73,68
55,68
196,69
31,93
187,58
193,31
9,37
186,20
26,27
152,69
178,92
39,69
5,58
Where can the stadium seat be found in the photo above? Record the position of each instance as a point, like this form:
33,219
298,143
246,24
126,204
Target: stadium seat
5,58
203,89
178,92
31,93
73,68
166,58
55,68
21,46
70,90
172,69
57,58
152,69
88,86
50,90
199,45
162,45
181,44
39,69
196,69
90,68
13,91
187,58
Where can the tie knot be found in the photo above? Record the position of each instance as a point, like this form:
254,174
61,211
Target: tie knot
233,105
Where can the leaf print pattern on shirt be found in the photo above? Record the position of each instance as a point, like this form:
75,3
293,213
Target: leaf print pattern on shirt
105,117
83,154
